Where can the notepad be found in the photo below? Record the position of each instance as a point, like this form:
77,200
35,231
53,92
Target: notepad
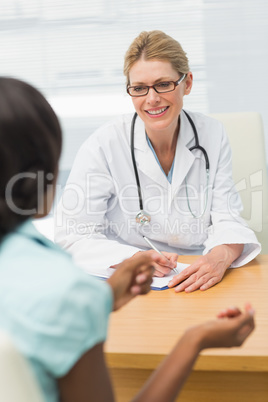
162,283
157,284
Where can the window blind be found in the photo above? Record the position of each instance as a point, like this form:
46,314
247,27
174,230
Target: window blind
73,51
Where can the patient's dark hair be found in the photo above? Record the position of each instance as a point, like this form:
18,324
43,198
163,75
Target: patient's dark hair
30,147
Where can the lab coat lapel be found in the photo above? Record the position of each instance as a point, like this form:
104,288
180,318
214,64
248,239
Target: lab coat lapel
184,158
144,156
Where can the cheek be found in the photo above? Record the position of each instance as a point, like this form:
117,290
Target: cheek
137,103
178,100
174,98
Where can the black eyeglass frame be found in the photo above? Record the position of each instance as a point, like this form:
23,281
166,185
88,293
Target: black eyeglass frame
176,83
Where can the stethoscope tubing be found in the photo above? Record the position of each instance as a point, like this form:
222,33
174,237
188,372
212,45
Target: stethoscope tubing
134,160
196,146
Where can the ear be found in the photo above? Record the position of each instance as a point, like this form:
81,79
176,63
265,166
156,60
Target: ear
188,83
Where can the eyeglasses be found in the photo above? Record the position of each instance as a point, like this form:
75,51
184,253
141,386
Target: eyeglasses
160,87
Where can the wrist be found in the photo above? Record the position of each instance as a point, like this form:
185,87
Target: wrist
194,337
226,253
110,282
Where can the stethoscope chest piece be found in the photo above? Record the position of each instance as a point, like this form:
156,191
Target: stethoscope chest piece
143,218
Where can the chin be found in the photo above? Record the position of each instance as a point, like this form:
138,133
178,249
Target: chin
158,125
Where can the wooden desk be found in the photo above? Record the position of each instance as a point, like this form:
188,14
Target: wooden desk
144,332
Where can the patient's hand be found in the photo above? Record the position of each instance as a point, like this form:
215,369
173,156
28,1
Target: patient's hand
132,277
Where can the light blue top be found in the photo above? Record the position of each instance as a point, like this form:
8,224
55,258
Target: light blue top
53,311
170,173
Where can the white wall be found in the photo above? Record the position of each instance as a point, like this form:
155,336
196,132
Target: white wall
73,51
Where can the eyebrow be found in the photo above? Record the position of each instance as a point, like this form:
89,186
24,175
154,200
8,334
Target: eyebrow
162,79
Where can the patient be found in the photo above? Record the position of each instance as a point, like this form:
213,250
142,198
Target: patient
56,314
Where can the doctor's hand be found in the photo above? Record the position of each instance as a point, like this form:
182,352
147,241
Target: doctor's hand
132,277
207,270
163,264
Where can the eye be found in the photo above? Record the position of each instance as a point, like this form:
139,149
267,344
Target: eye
164,85
138,89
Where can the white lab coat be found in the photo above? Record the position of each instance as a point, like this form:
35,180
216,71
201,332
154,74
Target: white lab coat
95,219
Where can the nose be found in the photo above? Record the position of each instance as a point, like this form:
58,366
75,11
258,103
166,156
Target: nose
152,96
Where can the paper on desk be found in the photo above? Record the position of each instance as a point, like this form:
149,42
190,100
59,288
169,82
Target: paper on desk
161,283
157,284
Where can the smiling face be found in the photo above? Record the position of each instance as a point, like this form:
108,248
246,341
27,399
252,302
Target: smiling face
159,112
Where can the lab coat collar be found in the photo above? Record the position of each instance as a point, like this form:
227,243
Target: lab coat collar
144,156
184,158
147,163
186,134
140,142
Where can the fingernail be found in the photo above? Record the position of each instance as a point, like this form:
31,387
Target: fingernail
170,283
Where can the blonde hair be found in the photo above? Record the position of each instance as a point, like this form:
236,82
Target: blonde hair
156,45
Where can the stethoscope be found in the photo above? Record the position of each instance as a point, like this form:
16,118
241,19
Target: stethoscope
144,218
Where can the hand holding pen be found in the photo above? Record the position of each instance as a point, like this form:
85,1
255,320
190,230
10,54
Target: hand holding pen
167,261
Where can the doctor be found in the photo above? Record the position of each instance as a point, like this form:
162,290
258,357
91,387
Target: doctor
163,173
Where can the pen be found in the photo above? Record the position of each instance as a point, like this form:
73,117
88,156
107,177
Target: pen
156,249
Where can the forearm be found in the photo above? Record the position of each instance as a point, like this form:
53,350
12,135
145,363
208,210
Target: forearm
167,381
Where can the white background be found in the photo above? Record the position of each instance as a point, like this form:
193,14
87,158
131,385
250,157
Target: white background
73,51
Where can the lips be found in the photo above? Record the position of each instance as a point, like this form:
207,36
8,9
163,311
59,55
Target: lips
158,111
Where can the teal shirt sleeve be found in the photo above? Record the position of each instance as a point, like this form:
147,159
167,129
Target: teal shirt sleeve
54,311
65,324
